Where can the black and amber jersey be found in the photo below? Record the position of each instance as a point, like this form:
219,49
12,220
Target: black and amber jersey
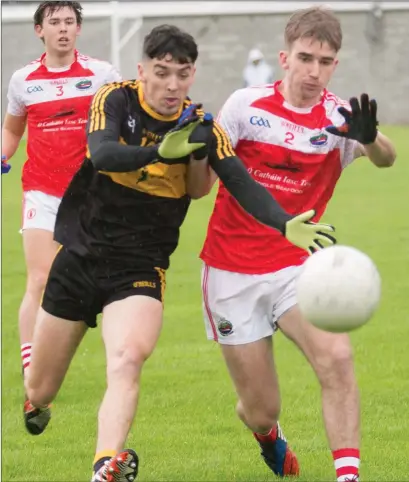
132,215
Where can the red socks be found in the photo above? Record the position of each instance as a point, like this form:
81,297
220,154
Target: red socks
346,463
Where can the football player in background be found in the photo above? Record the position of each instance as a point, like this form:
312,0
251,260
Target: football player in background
51,96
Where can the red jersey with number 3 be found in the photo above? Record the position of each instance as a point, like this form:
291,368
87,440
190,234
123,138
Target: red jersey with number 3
287,150
56,102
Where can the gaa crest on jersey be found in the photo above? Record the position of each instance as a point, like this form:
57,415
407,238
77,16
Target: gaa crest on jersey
319,140
260,121
34,88
83,84
225,327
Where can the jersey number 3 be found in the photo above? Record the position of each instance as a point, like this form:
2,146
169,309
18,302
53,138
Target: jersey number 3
60,90
289,137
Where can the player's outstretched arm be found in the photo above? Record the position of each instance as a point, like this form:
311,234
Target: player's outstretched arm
218,152
260,204
252,197
381,153
103,131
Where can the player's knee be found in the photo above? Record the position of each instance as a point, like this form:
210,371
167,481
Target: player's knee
334,365
125,364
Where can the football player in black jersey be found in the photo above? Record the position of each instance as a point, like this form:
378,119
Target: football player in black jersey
149,149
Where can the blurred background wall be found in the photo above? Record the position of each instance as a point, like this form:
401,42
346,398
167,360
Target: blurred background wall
374,57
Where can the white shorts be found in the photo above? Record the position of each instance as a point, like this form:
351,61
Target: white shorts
243,308
39,210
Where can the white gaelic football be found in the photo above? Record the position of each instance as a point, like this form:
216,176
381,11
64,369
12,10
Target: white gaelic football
339,289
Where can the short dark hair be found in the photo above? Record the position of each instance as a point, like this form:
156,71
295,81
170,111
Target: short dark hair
48,8
169,39
318,23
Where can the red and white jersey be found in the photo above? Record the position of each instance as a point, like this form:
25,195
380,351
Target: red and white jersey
56,102
288,151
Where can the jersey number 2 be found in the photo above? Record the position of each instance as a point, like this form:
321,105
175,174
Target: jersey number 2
60,90
289,137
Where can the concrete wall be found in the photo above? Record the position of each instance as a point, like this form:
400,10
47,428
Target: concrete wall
373,59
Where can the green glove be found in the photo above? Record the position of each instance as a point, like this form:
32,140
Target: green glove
307,235
175,143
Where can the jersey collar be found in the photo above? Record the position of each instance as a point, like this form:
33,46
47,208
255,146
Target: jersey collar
298,110
58,69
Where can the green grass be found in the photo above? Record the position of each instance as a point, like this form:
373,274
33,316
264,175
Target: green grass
186,429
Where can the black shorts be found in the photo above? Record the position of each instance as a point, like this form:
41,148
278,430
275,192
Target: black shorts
78,288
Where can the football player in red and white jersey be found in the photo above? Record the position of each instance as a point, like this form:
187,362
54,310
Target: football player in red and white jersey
50,96
287,136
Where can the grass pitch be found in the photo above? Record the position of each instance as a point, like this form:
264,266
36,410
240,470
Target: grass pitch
186,429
